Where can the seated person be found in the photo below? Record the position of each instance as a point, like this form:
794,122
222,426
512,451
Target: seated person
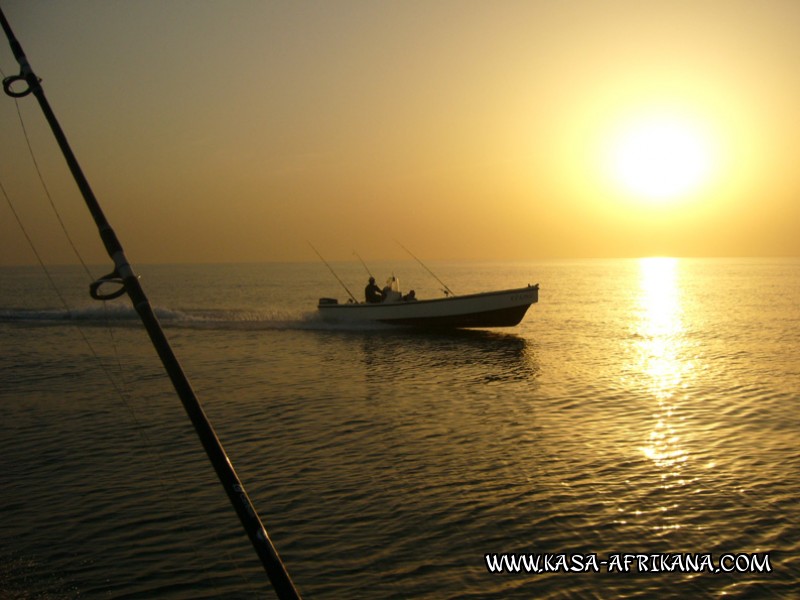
410,297
372,293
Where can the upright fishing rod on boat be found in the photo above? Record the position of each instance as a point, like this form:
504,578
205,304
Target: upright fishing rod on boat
447,290
330,268
366,268
18,86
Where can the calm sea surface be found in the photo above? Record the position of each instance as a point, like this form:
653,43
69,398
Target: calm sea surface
642,407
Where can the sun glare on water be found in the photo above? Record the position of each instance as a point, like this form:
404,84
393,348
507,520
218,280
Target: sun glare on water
660,158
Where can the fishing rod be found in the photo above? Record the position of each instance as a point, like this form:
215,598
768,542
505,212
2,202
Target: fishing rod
363,263
447,290
330,268
18,86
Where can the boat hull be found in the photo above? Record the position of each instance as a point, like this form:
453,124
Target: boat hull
504,308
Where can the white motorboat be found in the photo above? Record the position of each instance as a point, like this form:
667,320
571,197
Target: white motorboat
504,308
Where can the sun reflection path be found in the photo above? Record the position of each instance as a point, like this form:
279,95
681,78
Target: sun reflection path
660,333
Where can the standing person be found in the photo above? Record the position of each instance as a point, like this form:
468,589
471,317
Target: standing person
372,293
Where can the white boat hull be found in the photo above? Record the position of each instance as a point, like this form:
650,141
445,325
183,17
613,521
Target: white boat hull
504,308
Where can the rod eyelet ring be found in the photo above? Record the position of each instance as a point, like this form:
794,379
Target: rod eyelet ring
9,81
94,287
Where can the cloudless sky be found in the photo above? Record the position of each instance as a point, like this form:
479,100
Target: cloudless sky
239,130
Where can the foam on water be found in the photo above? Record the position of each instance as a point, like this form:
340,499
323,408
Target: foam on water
230,319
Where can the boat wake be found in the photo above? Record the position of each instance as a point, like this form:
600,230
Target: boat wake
224,319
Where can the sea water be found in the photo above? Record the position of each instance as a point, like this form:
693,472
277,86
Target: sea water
636,436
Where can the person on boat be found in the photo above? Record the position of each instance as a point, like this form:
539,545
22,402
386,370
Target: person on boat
372,293
410,296
391,291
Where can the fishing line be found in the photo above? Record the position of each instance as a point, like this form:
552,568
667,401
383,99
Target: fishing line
125,277
66,305
38,256
66,235
49,196
121,391
33,247
63,229
69,240
71,244
125,397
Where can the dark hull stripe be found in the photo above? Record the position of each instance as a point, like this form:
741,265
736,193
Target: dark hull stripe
502,317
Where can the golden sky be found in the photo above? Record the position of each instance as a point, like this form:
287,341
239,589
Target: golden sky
240,130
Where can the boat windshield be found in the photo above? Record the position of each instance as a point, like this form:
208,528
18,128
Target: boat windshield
391,291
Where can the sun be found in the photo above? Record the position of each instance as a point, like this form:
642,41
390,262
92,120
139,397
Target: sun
660,158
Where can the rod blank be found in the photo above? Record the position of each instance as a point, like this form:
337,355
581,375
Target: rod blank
276,571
